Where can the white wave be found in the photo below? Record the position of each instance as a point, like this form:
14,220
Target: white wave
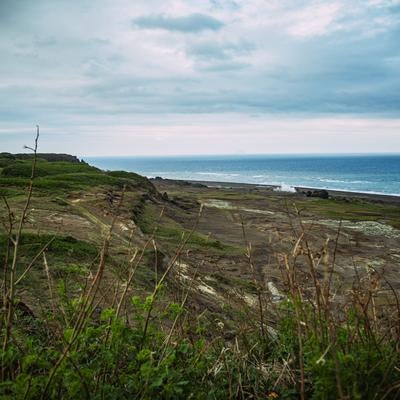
285,188
208,173
331,180
340,181
220,174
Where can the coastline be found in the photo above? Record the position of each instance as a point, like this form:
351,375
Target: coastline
299,190
368,176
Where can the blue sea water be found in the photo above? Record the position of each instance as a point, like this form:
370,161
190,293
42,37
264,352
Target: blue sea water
359,173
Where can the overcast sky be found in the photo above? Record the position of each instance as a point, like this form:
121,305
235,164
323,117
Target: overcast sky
128,77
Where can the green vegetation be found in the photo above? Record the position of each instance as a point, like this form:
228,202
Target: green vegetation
60,247
62,177
319,358
133,178
170,231
44,168
353,210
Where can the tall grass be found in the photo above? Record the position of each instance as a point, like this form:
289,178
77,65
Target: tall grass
104,342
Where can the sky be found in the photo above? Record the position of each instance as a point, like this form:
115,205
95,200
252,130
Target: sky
164,77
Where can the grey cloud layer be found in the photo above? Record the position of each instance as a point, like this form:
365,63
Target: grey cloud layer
190,23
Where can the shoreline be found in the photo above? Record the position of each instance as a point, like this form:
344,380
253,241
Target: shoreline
333,193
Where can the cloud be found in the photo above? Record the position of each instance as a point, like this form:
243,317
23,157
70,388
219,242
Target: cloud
214,56
211,49
190,24
314,20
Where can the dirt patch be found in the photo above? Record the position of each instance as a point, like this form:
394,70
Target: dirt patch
371,228
226,205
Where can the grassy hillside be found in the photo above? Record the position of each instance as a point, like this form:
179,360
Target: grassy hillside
60,176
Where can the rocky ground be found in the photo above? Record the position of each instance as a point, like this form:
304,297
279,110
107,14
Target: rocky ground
355,233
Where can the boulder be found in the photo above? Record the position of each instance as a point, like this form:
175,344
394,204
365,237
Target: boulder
322,194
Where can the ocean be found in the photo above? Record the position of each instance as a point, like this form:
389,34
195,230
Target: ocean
357,173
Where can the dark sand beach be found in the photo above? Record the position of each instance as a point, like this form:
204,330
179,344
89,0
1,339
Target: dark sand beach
333,193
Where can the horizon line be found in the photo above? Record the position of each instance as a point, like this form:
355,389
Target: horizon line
345,154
